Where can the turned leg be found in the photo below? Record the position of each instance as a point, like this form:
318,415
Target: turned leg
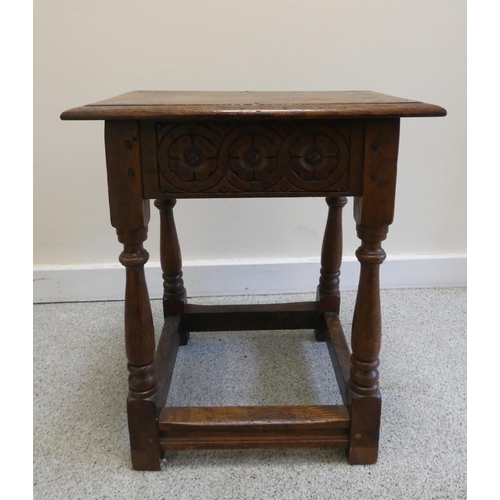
373,212
140,349
328,293
174,293
365,400
130,216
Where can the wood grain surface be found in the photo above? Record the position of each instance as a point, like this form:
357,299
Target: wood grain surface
196,104
254,427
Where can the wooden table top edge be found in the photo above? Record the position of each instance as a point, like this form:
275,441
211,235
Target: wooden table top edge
165,105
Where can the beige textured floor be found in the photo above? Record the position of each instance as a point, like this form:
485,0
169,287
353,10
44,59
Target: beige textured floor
80,435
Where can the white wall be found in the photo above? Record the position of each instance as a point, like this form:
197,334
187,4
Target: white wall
92,50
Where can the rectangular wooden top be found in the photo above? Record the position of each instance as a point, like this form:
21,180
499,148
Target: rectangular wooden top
143,105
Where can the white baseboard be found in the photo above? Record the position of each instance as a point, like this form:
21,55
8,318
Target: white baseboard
243,277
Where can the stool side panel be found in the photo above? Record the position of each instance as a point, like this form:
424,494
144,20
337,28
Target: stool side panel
251,159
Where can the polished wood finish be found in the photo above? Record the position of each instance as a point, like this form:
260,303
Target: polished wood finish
166,354
254,427
130,216
374,211
170,145
192,105
174,293
252,159
291,316
328,292
339,353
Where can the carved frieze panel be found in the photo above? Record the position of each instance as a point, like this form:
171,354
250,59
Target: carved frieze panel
251,158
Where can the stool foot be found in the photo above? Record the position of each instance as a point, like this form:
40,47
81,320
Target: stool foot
143,429
365,424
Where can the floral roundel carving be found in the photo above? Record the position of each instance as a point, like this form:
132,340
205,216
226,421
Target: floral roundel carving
187,157
251,154
317,157
252,158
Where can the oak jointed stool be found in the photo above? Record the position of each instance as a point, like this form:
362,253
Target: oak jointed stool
168,145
